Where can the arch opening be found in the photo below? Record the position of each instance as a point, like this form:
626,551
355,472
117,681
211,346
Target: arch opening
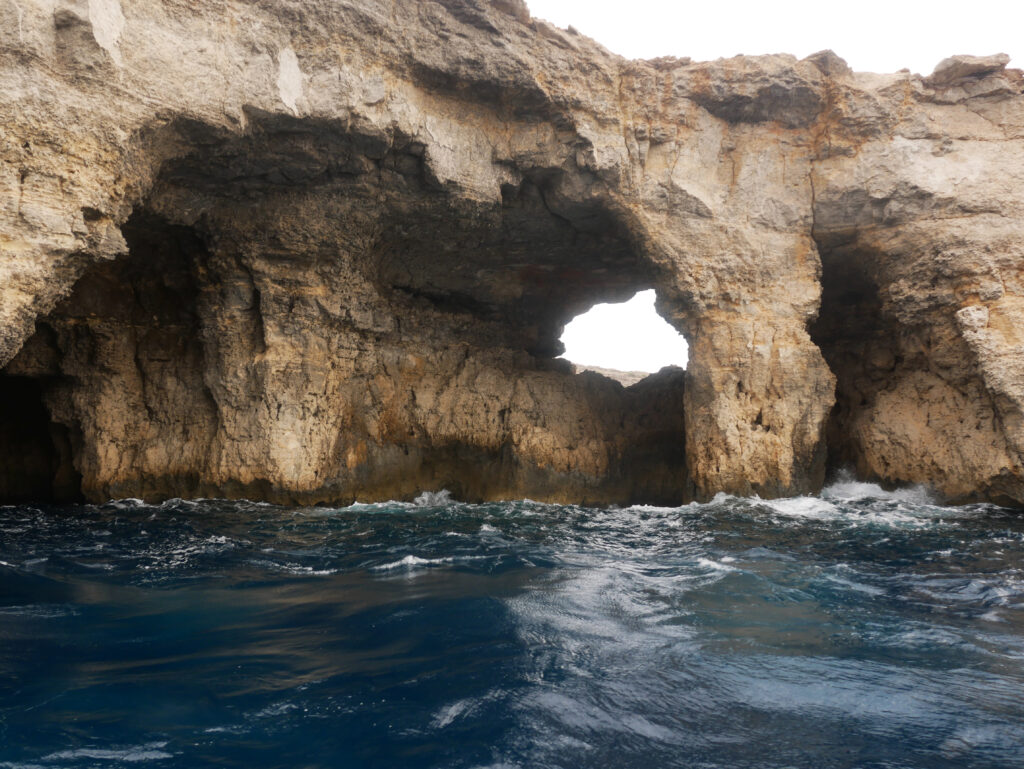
628,337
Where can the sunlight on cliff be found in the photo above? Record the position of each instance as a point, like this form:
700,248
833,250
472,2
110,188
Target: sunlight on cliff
629,336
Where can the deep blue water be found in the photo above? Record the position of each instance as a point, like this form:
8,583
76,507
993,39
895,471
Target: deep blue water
861,629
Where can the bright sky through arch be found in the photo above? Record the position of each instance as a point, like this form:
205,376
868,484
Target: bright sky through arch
629,336
872,35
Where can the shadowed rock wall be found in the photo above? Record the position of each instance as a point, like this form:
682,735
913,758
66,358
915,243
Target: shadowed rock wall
314,251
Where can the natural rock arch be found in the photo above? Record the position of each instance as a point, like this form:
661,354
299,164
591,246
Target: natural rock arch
303,316
377,244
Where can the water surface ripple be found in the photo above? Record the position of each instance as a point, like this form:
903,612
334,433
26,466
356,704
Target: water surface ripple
860,629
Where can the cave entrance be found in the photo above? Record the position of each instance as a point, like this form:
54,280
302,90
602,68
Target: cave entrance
860,346
111,377
35,452
628,337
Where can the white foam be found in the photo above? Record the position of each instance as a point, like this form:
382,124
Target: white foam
309,570
449,713
720,498
846,488
233,729
277,709
126,504
652,509
359,507
291,568
894,510
424,499
827,505
433,498
411,562
802,507
148,752
707,563
42,611
102,566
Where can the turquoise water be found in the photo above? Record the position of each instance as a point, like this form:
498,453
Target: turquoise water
860,629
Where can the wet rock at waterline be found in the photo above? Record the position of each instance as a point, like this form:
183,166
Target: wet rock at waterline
324,250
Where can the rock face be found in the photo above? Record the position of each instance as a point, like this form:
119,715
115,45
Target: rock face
321,250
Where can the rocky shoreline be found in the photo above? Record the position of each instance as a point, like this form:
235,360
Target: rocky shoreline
317,251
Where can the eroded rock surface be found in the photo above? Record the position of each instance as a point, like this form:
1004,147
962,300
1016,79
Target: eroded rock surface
319,251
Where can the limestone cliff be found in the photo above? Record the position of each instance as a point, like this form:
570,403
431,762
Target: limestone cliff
318,250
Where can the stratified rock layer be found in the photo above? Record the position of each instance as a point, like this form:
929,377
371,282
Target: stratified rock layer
324,250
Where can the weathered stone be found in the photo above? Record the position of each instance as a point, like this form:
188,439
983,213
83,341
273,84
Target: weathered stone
313,251
830,64
958,67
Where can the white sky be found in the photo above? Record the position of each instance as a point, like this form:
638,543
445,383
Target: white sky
872,35
629,336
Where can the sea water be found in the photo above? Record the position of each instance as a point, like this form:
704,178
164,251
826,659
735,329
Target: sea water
862,628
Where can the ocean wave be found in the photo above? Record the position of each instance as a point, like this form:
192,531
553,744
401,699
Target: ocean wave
719,566
149,752
442,498
847,489
411,562
874,507
40,611
291,568
128,503
652,509
802,507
